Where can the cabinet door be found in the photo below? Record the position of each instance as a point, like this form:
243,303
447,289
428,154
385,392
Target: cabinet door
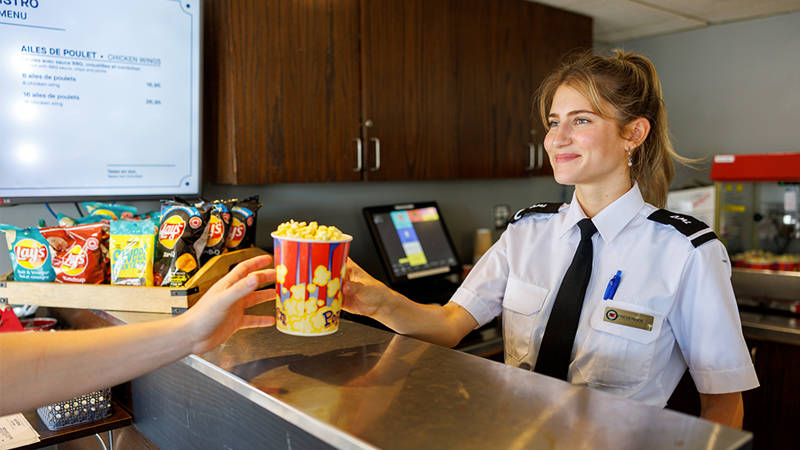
408,58
449,84
281,91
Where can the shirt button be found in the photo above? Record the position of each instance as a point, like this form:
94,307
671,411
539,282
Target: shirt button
525,366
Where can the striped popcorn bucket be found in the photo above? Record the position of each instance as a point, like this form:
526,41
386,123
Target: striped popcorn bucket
308,281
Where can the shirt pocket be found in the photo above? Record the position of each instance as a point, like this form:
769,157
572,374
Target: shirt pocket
616,355
522,303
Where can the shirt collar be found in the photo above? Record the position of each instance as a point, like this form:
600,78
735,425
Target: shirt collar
612,219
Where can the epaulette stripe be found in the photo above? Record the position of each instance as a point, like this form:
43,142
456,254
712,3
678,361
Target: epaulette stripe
547,208
687,225
702,239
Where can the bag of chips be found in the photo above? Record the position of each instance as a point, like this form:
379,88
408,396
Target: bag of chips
182,236
115,212
77,252
243,226
132,248
67,221
30,254
218,225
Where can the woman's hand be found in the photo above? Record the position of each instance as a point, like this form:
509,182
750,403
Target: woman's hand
220,312
363,294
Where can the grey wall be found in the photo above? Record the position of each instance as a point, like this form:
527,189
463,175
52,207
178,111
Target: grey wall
732,88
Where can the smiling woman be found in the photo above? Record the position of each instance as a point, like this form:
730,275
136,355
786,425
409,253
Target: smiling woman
609,291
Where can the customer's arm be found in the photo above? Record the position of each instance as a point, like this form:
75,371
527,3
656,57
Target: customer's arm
41,368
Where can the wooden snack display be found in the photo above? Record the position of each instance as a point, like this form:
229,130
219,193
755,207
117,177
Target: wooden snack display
123,298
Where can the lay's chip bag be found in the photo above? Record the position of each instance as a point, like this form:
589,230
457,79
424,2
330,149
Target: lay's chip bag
30,254
132,246
115,212
243,226
182,236
78,253
218,225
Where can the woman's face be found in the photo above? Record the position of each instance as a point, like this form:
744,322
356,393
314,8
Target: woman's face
584,148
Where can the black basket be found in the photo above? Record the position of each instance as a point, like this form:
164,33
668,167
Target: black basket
80,410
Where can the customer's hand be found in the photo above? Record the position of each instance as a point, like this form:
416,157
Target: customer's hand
220,312
363,294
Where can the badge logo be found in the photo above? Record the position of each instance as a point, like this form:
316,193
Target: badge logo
92,244
611,314
171,230
31,254
75,261
216,231
237,233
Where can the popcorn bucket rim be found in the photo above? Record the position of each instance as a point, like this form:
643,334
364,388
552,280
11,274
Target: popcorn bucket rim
346,238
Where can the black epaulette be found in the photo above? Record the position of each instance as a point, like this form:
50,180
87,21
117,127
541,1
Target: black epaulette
546,208
687,225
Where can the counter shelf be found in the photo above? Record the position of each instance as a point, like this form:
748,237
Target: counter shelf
123,298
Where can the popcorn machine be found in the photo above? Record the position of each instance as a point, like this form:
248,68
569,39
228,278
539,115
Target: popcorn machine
757,217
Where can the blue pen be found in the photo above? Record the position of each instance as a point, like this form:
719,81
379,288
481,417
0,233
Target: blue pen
613,284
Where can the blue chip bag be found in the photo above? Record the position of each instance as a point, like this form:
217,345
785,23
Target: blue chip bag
115,212
30,254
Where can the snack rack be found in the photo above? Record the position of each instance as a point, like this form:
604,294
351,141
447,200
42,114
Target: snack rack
758,218
172,300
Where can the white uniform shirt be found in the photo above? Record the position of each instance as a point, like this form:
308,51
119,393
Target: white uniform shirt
685,289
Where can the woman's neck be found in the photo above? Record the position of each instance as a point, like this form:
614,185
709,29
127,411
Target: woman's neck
593,198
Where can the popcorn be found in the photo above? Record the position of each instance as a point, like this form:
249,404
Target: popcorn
311,231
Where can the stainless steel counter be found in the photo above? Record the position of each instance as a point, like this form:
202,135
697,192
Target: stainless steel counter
365,388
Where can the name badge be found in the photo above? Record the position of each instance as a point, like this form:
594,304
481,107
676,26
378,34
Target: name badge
628,318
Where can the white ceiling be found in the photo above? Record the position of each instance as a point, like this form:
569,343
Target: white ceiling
622,20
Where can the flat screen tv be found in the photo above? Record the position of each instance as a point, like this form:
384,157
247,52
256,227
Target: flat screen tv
99,99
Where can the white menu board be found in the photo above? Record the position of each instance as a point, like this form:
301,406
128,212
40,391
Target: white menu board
99,98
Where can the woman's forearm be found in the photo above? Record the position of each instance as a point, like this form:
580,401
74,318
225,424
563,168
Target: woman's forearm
42,368
443,325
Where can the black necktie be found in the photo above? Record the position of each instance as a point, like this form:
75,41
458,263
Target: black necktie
559,335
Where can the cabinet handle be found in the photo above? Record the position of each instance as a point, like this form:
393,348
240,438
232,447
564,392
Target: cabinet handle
359,164
531,157
377,154
540,157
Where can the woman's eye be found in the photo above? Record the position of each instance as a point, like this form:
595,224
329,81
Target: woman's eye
552,123
581,120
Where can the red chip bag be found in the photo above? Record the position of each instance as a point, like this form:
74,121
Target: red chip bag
77,251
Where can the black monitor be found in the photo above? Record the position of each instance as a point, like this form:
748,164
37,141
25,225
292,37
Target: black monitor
412,241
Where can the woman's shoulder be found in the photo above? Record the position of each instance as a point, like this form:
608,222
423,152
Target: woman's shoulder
681,226
538,211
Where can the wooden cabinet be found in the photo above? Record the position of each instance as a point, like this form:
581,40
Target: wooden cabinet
281,91
432,89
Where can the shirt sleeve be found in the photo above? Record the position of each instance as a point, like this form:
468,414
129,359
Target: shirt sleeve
481,293
707,326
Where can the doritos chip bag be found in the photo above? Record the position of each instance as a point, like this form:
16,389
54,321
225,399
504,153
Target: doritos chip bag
30,254
77,252
115,212
132,248
218,225
243,226
182,237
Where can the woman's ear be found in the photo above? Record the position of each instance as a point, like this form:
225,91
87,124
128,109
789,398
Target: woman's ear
637,131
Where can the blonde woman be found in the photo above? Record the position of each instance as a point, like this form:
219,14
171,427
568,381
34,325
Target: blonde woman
608,291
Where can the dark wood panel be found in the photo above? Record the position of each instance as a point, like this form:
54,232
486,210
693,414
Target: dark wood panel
281,90
771,410
408,49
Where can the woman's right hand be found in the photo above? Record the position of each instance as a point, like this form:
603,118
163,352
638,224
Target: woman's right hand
363,294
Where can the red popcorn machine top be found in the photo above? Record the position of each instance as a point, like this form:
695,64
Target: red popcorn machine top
758,219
